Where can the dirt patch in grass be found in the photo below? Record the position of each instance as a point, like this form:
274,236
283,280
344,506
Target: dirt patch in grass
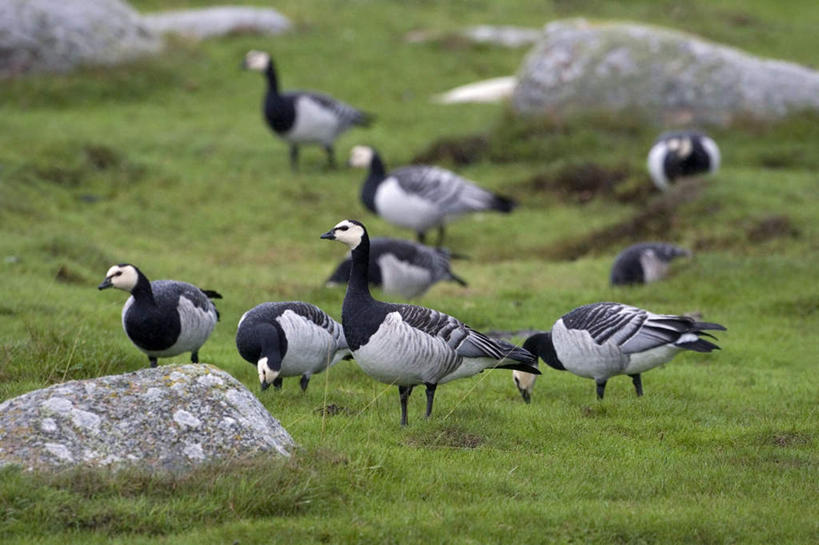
771,227
68,275
458,151
580,183
788,439
447,437
332,410
654,221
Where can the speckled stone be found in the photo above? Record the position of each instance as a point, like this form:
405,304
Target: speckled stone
664,76
170,417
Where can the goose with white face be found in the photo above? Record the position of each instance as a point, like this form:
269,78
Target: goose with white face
256,60
123,277
350,232
361,156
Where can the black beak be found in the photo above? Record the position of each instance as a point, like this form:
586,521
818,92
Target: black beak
526,397
105,284
329,235
265,386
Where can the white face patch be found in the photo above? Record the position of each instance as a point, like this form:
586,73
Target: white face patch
361,156
266,374
349,233
122,277
257,60
686,147
524,381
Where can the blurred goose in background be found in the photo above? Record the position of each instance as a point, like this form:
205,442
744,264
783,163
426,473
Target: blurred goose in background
287,339
303,117
602,340
401,267
163,318
681,154
420,197
408,345
644,263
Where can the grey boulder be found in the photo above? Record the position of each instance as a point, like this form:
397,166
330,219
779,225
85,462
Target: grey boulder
218,21
664,76
171,417
56,36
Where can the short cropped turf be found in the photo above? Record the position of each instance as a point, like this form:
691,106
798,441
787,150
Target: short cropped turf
166,163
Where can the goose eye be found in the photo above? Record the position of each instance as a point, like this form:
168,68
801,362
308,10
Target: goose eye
118,273
342,228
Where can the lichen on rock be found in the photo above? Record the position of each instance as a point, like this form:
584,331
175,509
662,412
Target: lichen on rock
170,417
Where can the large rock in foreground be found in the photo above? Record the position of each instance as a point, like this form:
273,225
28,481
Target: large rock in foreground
170,417
57,35
665,76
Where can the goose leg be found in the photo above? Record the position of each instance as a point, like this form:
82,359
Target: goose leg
440,237
331,157
430,396
195,356
152,361
277,383
638,384
294,157
422,237
305,379
601,387
404,392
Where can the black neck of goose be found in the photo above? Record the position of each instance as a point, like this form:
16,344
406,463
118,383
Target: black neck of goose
377,173
142,291
272,79
541,346
359,282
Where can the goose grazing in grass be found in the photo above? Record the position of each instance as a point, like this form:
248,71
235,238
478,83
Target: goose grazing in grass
420,197
163,318
644,263
602,340
288,339
407,345
303,117
681,154
401,267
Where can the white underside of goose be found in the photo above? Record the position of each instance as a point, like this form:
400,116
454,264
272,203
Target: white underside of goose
401,278
399,354
656,165
314,123
196,325
310,348
713,153
654,268
406,210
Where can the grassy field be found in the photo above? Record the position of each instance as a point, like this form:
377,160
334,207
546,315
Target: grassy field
166,163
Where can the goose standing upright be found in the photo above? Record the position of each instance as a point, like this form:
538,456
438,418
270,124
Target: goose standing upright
303,117
644,263
401,267
287,339
681,154
408,345
421,197
602,340
163,318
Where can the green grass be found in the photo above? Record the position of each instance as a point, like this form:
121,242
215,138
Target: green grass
166,163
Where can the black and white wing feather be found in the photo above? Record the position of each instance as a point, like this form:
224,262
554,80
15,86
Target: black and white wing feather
346,114
451,193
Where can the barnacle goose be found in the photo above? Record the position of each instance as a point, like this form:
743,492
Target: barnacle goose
407,345
602,340
286,339
421,197
681,154
401,267
644,262
163,318
303,117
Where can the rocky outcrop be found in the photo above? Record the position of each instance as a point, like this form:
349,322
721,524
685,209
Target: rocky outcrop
56,36
218,21
170,417
662,75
